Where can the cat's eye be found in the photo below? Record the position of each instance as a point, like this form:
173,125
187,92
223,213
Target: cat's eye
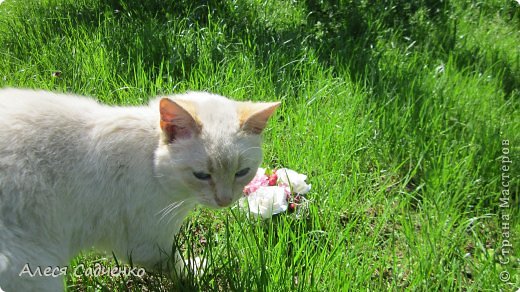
242,172
202,175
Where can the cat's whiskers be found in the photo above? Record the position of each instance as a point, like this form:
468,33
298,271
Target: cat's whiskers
250,159
169,209
248,149
177,206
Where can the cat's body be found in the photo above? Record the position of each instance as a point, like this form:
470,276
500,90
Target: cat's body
75,174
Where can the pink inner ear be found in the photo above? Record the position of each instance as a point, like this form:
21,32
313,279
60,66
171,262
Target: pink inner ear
254,127
254,117
176,122
177,132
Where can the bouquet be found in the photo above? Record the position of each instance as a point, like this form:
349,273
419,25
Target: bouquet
275,191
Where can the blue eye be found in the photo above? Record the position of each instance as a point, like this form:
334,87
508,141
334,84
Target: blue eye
242,172
202,175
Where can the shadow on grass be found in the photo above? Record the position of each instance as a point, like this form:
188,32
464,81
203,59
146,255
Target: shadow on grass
344,34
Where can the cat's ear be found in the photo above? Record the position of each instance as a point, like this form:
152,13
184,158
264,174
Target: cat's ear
254,116
176,120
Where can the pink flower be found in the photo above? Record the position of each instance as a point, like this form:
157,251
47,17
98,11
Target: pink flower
260,180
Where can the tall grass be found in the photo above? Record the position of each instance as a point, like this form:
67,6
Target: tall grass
396,110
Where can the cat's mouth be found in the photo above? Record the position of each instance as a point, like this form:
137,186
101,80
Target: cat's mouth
219,203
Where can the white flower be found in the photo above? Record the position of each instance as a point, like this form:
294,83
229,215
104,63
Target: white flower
266,201
260,171
294,179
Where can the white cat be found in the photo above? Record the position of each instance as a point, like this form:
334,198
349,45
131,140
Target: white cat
75,174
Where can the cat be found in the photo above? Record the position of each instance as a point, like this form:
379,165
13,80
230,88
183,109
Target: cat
76,174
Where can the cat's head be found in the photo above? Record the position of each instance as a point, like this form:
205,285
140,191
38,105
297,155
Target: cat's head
210,146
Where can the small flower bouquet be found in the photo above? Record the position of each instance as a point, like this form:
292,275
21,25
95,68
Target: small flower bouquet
275,191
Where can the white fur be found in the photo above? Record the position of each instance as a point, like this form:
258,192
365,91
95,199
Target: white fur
75,174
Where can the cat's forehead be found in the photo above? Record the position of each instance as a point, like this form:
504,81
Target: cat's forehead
227,150
216,113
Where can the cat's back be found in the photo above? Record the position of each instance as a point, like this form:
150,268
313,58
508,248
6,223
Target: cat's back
28,115
33,137
35,103
39,128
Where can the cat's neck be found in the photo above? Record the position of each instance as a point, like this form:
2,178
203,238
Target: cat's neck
122,142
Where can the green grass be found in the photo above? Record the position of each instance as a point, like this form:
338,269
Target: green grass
396,111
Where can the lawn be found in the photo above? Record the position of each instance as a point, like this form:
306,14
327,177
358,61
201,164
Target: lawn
403,114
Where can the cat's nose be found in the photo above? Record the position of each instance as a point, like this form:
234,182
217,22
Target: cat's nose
223,201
